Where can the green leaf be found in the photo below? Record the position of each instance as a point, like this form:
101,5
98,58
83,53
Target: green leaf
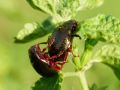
101,28
109,54
49,83
32,31
89,4
95,87
42,5
63,10
106,29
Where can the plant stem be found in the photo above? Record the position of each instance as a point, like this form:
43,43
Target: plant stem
86,57
81,76
83,80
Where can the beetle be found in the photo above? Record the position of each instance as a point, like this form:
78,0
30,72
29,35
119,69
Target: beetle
40,62
59,45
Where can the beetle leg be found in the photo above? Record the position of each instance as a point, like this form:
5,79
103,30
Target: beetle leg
65,58
70,50
55,66
46,56
44,49
56,56
76,36
41,54
59,64
43,43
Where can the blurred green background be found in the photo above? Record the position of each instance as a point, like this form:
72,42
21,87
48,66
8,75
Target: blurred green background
16,72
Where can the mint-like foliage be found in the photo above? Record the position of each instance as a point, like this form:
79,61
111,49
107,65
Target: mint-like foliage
95,87
49,83
107,30
63,10
109,54
32,31
101,28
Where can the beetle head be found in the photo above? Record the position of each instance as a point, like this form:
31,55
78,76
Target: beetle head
70,26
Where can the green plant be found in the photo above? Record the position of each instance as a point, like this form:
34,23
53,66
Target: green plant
102,29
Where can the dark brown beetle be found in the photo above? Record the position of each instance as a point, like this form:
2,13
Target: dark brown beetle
59,44
39,61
